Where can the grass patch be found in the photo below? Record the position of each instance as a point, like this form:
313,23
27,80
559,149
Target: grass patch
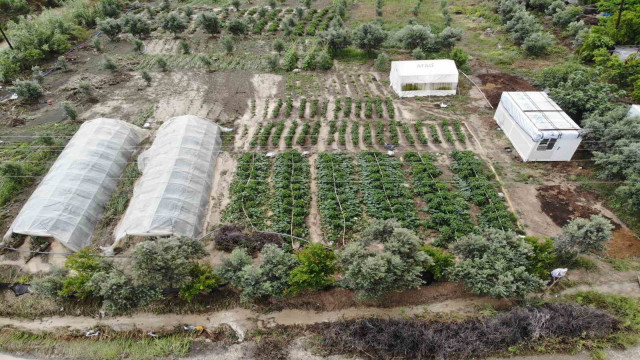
109,345
121,196
615,202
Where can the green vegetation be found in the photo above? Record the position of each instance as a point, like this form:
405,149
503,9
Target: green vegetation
290,205
249,192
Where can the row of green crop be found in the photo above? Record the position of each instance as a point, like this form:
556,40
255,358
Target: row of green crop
338,201
249,192
386,194
480,188
342,108
448,209
292,194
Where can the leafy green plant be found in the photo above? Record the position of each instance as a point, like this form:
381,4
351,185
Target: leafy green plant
291,181
422,138
291,133
315,271
69,111
440,262
27,90
174,23
203,279
249,192
355,133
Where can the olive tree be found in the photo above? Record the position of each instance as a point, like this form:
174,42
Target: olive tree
581,236
415,36
271,278
449,37
174,23
369,37
386,257
237,26
110,27
495,263
336,39
209,22
135,25
165,261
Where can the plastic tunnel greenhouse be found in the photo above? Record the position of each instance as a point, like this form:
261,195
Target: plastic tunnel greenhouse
71,198
172,195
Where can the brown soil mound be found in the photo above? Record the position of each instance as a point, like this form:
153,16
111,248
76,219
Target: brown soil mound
562,204
494,84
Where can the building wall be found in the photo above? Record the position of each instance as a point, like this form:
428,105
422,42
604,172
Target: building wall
527,148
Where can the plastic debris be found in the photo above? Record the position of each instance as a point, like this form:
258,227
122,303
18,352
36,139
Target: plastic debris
270,154
92,333
391,153
19,289
146,125
152,334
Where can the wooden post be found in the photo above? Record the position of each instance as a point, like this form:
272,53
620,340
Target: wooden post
6,38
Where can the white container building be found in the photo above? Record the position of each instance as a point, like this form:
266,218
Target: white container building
424,78
537,127
634,110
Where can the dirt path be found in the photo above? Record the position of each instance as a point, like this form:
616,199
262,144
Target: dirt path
241,320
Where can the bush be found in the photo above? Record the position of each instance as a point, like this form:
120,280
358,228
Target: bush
9,66
460,57
538,43
109,8
273,62
593,42
382,62
449,37
290,60
316,270
69,111
385,258
209,22
27,90
109,64
269,279
227,44
440,264
473,338
135,25
138,46
564,17
174,23
118,292
278,46
415,36
202,280
543,258
369,37
324,61
336,39
165,261
146,77
83,264
237,27
418,54
110,27
161,63
582,236
495,263
522,25
309,61
184,47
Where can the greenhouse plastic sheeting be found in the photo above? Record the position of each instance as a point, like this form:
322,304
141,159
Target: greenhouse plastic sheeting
172,195
71,198
539,116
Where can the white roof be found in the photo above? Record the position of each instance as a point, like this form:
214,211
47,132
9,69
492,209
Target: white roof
634,110
538,115
172,195
70,199
425,67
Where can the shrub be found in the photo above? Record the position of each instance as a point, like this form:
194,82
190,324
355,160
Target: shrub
538,43
97,44
278,46
62,63
385,258
273,62
522,25
369,37
135,25
581,236
495,263
564,17
138,46
161,63
593,42
269,279
416,36
51,285
209,22
449,36
9,66
290,60
165,261
184,47
110,27
440,264
237,27
309,61
382,62
336,39
146,77
202,279
83,264
109,64
109,8
543,257
205,61
418,54
27,90
174,23
324,60
460,57
316,270
227,44
69,111
119,293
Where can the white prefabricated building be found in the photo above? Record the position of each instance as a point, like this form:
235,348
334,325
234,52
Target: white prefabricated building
634,110
537,127
70,199
424,78
171,196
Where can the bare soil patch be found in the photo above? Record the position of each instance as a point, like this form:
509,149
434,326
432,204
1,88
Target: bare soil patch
495,83
563,204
